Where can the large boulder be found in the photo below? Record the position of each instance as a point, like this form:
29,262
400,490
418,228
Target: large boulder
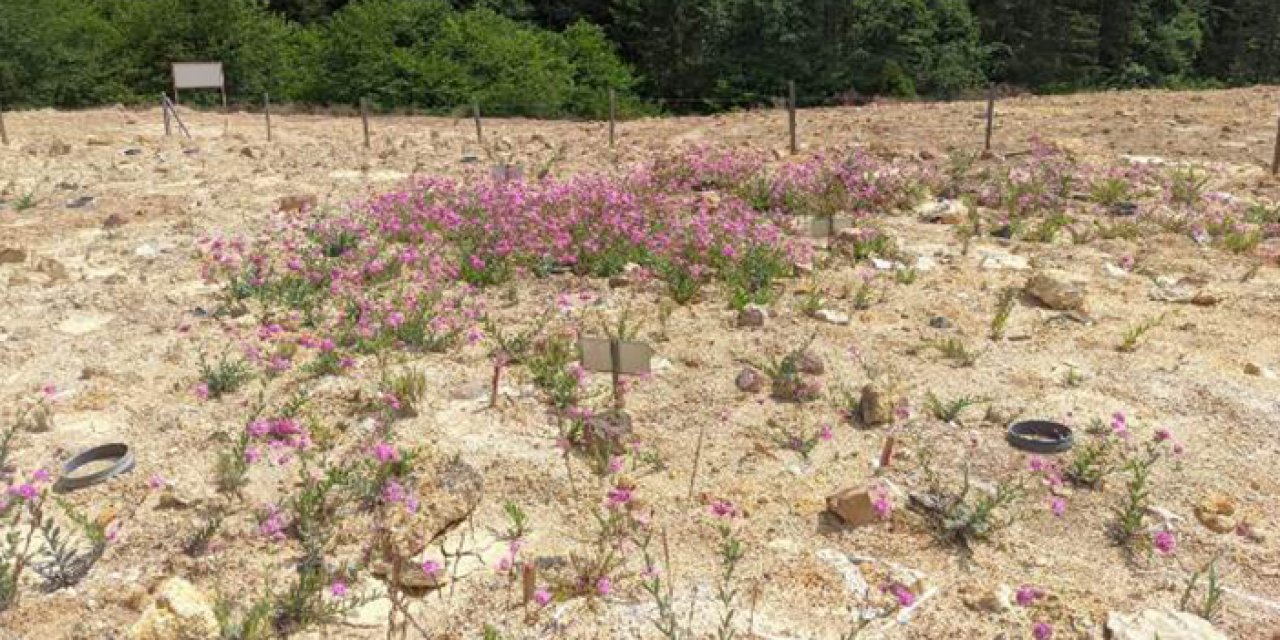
1165,624
180,612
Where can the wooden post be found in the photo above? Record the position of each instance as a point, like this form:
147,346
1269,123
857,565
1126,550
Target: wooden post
172,110
529,581
1275,162
266,111
615,359
475,113
364,120
991,117
613,114
791,114
4,134
164,106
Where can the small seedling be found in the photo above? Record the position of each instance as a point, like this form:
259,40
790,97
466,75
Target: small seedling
197,544
225,376
966,514
1091,462
404,390
950,411
1004,309
518,519
1073,377
906,276
785,375
25,201
1133,335
1209,605
1187,185
955,350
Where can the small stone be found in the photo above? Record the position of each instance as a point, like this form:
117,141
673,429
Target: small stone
1114,271
133,151
1254,369
470,391
1204,299
752,315
296,203
1055,293
831,317
1217,513
943,211
1165,624
180,612
749,380
807,362
80,202
939,322
251,152
448,492
876,405
52,268
146,251
995,259
999,600
10,255
114,221
95,141
854,507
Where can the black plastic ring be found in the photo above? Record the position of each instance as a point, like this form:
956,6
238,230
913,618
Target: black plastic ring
117,451
1040,436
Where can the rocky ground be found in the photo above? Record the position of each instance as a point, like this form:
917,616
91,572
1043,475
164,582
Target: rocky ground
101,295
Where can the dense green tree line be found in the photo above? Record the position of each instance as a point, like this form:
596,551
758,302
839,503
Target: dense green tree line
559,57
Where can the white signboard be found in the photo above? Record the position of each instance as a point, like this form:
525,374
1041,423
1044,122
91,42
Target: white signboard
197,75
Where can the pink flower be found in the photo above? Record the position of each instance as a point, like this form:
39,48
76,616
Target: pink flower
723,509
542,597
393,492
431,568
157,481
252,455
504,564
616,464
48,389
1119,425
24,491
384,452
40,475
604,586
1042,631
258,428
1164,542
202,391
904,596
1162,434
1058,506
1027,595
824,433
618,496
882,503
338,589
1036,464
902,412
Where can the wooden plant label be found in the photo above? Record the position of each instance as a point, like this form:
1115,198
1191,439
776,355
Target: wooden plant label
632,357
824,226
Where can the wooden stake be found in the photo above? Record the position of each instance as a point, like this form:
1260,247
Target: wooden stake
613,114
615,360
475,113
791,114
164,106
364,120
1275,162
173,110
529,581
886,453
266,111
4,134
991,117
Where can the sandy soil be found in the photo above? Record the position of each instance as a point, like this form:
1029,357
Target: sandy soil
102,304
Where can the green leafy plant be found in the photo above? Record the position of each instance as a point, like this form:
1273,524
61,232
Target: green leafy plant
731,553
518,518
549,364
69,560
1004,309
197,544
1134,334
1209,604
950,411
787,382
404,389
955,350
224,376
1187,185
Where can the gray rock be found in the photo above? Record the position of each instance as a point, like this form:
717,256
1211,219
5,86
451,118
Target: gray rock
1165,624
749,380
1056,293
752,315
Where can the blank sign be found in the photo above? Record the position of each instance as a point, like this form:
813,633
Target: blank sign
197,75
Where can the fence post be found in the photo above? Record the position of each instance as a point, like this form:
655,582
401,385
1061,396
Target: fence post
1275,162
164,106
266,111
475,113
364,119
791,113
991,117
613,114
4,134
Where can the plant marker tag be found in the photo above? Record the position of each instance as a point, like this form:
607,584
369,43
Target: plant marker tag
506,172
827,226
632,357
